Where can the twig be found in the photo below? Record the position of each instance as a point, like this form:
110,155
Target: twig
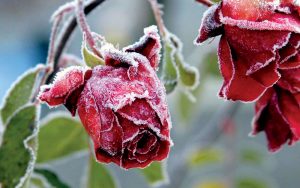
54,55
87,34
66,34
206,2
158,17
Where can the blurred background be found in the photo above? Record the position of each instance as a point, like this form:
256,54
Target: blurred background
221,153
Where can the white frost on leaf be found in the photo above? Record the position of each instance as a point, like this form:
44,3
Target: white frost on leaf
30,148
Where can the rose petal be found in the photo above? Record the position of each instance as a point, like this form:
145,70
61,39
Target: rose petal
291,49
148,46
278,21
293,63
260,105
211,25
130,130
256,47
113,89
111,141
141,113
291,111
89,114
290,79
275,127
237,85
65,83
267,76
250,10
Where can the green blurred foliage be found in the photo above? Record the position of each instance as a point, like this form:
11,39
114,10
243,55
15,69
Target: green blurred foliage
205,156
60,136
99,176
251,183
155,173
251,156
51,178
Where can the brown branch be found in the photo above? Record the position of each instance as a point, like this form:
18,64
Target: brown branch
66,34
85,28
206,2
158,17
55,54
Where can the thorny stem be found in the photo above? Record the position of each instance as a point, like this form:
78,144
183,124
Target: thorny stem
206,2
158,17
87,34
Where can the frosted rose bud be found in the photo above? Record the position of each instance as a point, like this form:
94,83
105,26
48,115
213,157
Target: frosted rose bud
122,105
257,36
277,112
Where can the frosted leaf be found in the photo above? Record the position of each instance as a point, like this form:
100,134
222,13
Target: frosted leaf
89,57
19,166
175,69
20,93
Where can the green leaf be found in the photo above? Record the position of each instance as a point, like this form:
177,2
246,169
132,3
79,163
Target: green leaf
51,178
189,76
18,148
37,182
211,184
251,156
60,136
211,65
205,156
99,176
90,58
170,72
20,93
155,173
251,183
175,69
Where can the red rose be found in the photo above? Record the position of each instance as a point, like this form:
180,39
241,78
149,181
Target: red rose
122,105
278,110
257,36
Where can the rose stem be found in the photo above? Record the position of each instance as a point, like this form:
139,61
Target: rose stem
87,34
66,34
206,2
54,55
158,17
